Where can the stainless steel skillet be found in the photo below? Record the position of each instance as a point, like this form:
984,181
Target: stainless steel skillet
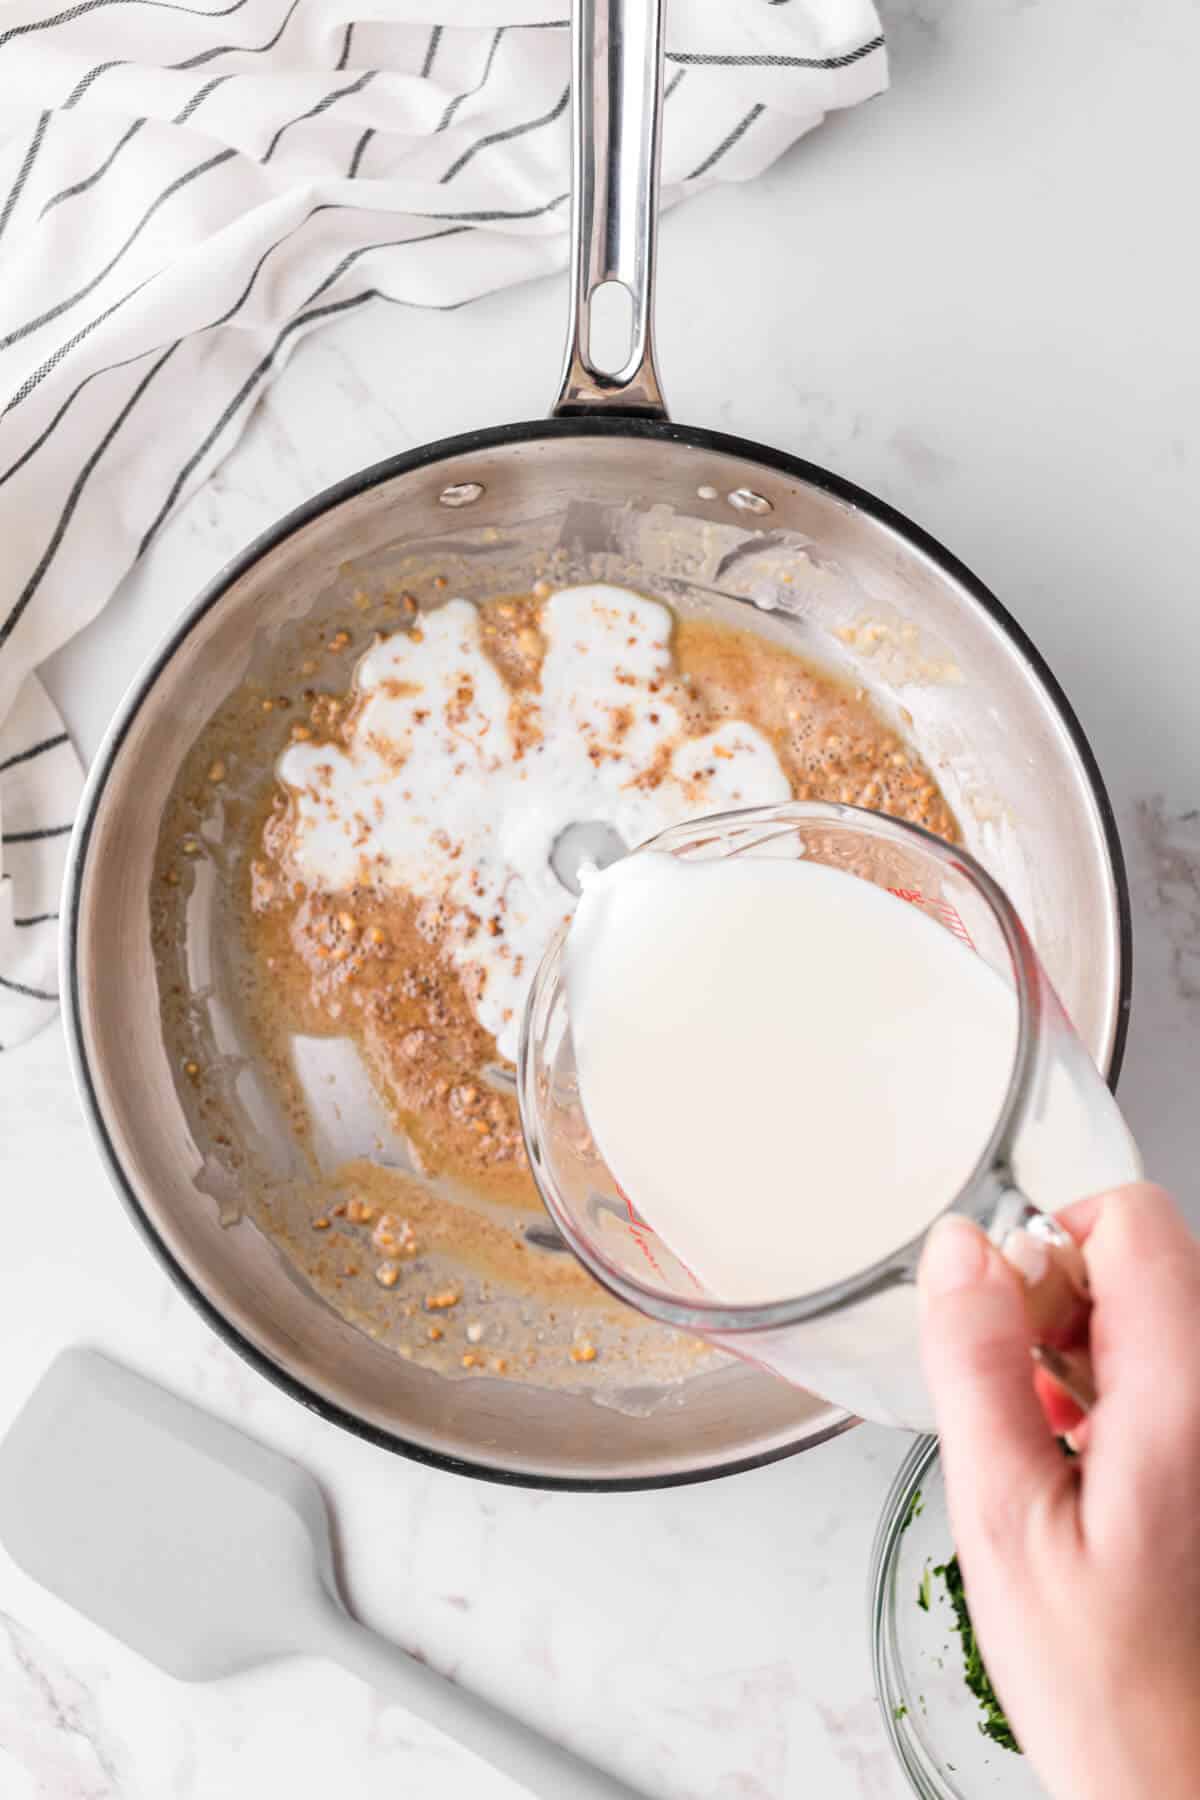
713,525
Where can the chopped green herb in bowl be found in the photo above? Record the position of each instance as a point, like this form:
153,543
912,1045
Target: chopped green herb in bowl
994,1723
938,1708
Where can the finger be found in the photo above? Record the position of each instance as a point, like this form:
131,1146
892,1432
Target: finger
1144,1270
1056,1287
1140,1212
1080,1216
1061,1413
999,1455
1079,1220
1078,1439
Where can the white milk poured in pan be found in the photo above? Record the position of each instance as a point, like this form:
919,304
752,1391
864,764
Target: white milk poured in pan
437,794
790,1072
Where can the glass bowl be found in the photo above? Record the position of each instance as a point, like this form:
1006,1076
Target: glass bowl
930,1716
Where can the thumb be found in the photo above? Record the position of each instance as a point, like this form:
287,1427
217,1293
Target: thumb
999,1456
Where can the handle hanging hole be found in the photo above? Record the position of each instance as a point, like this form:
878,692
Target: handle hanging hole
610,328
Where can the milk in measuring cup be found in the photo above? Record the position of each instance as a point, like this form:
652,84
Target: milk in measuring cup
790,1073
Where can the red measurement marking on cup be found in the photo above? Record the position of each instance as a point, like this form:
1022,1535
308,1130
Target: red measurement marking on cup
944,910
635,1217
643,1236
640,1232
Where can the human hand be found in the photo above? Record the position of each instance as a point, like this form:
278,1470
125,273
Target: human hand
1083,1574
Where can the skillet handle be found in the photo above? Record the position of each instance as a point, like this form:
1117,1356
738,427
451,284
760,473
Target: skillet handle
616,125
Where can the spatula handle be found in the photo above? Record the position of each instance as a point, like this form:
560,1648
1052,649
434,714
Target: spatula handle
542,1767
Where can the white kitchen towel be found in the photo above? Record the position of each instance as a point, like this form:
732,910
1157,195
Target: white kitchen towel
186,190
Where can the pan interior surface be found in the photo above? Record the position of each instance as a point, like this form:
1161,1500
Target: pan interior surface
700,524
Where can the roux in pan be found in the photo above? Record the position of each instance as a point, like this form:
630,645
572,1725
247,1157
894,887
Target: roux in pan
362,926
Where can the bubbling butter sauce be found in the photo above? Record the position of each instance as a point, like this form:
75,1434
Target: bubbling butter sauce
395,888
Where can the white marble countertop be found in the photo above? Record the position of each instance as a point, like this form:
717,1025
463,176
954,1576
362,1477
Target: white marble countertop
977,297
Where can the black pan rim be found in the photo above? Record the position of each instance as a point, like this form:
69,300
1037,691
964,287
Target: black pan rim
424,456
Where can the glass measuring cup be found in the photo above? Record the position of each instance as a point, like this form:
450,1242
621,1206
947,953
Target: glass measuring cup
1057,1134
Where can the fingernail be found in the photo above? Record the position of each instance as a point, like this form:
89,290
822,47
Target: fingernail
955,1256
1027,1254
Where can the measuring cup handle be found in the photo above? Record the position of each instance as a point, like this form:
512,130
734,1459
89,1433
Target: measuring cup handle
1057,1296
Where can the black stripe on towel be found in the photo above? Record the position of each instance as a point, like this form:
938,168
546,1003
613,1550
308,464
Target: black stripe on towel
771,61
64,519
512,131
361,145
435,38
54,312
87,6
85,81
188,108
81,187
14,192
207,56
19,987
469,93
126,362
36,836
739,131
24,756
330,99
256,374
52,361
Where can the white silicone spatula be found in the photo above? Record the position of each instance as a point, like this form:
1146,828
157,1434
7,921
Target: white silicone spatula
208,1553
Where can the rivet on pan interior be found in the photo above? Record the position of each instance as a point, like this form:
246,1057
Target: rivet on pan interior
746,500
706,492
465,494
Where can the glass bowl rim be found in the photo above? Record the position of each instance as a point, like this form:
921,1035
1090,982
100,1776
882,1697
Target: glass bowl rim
925,1779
